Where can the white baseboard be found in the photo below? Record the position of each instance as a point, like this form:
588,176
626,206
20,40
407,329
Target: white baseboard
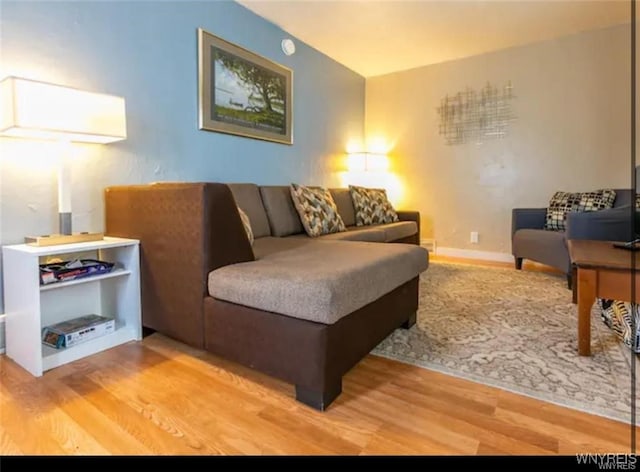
473,254
429,244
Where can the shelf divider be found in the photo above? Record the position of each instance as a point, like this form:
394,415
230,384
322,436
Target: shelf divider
52,357
84,280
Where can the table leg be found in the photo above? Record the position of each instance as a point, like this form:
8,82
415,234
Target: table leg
587,279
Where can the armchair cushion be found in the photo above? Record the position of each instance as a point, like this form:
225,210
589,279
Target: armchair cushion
546,247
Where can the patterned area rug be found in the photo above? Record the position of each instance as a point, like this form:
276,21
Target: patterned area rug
514,330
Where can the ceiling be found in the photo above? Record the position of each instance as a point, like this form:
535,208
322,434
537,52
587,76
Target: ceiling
375,37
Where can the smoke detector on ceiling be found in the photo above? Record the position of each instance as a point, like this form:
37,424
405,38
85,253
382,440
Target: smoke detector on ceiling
288,47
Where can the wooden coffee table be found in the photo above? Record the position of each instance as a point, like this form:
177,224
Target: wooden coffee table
603,271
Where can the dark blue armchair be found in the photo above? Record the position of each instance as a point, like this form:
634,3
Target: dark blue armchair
529,239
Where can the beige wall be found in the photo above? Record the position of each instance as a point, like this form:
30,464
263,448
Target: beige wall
571,133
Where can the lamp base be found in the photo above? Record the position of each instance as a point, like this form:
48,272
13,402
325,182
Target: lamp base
55,239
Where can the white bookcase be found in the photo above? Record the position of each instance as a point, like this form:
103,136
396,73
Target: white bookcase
30,306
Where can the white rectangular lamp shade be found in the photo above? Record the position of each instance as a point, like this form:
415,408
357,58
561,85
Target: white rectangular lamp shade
367,162
30,109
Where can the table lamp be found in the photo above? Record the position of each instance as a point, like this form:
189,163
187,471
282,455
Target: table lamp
39,110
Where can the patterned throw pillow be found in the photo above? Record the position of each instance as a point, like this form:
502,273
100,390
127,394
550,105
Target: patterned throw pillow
318,212
564,202
618,316
595,201
247,225
372,206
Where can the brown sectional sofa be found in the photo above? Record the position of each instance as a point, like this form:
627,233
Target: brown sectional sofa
302,309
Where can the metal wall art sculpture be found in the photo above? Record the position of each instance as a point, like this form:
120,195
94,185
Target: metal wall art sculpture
476,115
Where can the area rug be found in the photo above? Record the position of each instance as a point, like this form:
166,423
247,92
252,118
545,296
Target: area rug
515,330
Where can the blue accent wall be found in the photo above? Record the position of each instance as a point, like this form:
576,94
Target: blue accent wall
147,53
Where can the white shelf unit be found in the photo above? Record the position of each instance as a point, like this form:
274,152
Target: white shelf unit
30,306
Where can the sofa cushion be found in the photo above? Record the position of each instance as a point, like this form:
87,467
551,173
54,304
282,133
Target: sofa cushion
247,197
343,200
317,210
372,206
283,216
372,234
353,233
322,281
247,225
269,245
398,230
562,203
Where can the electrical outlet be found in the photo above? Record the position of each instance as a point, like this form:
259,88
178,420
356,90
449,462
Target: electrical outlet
474,237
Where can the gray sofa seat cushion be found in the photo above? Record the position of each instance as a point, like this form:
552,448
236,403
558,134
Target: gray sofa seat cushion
398,230
322,281
283,216
266,246
368,234
343,200
540,245
247,197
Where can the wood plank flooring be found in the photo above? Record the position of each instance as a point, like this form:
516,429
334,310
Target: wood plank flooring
527,265
159,396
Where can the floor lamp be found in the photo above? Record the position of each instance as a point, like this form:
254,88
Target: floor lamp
39,110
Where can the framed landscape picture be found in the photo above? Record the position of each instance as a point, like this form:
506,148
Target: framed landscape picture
242,93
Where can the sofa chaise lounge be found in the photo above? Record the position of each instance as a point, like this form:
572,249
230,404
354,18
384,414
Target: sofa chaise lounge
302,309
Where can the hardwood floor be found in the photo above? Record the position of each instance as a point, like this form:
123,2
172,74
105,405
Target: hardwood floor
159,396
527,265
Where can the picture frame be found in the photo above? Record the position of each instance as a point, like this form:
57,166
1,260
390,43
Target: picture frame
242,93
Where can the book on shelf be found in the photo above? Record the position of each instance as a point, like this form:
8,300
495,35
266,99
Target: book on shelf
73,270
76,331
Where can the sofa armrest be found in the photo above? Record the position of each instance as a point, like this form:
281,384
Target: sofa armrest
614,224
527,218
185,230
411,216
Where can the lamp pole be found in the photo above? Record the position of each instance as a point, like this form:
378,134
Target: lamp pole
64,189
